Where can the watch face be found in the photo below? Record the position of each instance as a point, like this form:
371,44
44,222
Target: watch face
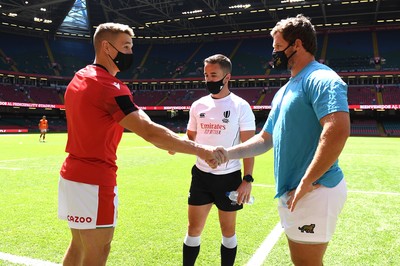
248,178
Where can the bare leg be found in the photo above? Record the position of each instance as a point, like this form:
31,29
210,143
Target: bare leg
307,254
228,250
89,247
197,216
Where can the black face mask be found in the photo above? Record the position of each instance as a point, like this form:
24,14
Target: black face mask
122,61
214,87
280,60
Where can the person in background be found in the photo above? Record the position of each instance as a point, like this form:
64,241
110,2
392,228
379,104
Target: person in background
307,128
43,128
98,109
220,118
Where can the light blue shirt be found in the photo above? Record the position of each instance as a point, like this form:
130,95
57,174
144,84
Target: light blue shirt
294,124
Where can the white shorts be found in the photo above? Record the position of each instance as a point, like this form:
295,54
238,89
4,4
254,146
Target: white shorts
314,218
43,130
87,206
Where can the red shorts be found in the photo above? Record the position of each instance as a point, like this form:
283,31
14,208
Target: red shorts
87,206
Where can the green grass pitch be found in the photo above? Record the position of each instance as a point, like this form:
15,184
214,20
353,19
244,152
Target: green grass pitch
153,188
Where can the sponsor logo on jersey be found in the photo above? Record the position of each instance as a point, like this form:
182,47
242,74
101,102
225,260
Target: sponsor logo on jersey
117,85
210,128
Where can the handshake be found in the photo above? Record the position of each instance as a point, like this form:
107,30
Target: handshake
214,156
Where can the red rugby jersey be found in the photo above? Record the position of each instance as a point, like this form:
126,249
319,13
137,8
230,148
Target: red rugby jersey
93,109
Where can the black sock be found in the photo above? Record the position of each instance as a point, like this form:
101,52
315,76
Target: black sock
228,255
190,255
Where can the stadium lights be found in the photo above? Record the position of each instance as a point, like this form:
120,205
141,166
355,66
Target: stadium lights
240,6
43,9
192,12
291,1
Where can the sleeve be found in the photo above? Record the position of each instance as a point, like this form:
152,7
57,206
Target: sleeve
328,94
247,118
192,123
119,100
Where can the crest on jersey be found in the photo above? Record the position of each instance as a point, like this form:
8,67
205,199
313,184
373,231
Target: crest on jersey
227,114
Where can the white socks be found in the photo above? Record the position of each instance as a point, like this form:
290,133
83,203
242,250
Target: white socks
192,241
229,242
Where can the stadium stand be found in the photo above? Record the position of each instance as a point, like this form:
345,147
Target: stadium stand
350,54
364,128
13,93
392,128
391,94
156,65
252,56
388,48
362,95
70,55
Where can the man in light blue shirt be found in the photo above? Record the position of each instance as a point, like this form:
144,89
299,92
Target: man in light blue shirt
307,128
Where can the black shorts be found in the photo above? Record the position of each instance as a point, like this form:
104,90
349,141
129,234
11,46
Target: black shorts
209,188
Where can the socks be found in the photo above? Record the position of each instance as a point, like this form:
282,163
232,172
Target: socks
191,249
228,250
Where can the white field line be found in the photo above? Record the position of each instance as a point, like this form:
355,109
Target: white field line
266,246
12,160
25,260
10,168
374,192
257,259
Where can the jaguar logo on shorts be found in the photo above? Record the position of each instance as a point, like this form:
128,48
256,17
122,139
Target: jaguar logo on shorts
307,228
79,219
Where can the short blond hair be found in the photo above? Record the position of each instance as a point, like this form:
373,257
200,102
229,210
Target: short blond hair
109,30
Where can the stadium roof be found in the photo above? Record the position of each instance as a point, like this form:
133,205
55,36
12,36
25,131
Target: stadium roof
180,19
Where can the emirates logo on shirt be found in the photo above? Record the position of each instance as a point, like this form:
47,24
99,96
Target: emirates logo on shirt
227,114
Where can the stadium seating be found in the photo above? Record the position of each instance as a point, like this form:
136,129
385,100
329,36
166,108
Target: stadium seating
12,93
70,55
345,51
350,52
389,49
392,128
391,95
362,95
364,128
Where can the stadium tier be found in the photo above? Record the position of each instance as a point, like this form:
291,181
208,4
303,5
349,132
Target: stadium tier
171,74
343,51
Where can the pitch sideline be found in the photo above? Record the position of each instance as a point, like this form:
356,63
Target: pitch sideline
25,260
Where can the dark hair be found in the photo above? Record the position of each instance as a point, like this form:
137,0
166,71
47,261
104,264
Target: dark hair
298,27
222,60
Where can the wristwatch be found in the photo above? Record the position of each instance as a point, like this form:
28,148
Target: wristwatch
248,178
